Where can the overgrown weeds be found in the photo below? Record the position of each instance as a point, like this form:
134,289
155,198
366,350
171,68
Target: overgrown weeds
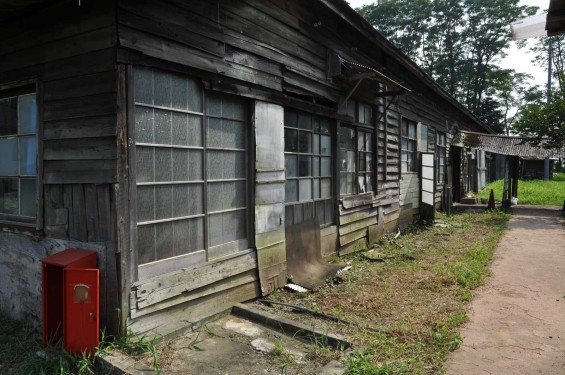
22,352
418,303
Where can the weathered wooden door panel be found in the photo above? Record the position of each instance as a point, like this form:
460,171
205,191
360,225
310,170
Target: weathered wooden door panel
269,192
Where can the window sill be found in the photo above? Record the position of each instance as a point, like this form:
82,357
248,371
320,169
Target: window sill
27,229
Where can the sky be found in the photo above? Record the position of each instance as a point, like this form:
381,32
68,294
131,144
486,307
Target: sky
517,59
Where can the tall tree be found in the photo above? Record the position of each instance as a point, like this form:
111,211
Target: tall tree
458,42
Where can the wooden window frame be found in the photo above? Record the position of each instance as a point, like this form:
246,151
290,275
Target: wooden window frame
363,122
18,222
328,201
411,155
200,257
441,153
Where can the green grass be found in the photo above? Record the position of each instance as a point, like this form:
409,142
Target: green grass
533,192
22,352
418,303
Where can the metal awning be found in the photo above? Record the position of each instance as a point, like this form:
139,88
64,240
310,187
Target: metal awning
505,145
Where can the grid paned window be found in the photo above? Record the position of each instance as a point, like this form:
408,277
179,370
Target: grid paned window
356,155
18,156
424,138
409,146
189,146
441,154
308,165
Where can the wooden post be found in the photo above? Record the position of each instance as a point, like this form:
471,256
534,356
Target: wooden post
505,195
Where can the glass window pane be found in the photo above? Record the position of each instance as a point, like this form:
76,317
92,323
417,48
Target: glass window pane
291,191
28,155
163,164
368,142
195,130
233,164
316,166
180,92
214,135
234,226
27,114
196,227
326,188
163,88
304,166
195,165
143,82
180,164
163,132
350,161
362,164
179,129
146,243
412,130
324,126
28,197
326,166
233,107
361,181
291,166
9,196
215,165
326,146
304,120
316,143
316,188
304,190
144,125
180,200
290,118
9,116
144,164
226,195
361,141
9,157
163,202
369,158
164,240
196,201
343,188
346,138
194,96
290,140
304,142
215,232
181,237
145,203
214,105
321,211
369,181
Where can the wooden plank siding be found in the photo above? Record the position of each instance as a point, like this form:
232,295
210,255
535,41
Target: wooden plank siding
69,51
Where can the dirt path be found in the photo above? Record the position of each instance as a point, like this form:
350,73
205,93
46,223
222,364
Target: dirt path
517,321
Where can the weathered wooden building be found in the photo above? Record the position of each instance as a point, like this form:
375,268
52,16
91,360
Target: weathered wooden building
179,138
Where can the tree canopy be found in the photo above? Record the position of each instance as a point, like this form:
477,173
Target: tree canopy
459,43
544,120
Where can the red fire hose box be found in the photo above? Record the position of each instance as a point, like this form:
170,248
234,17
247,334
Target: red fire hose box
70,282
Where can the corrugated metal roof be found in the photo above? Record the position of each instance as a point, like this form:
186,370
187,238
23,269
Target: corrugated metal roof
501,144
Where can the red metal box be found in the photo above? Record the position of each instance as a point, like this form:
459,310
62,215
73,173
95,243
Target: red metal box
70,282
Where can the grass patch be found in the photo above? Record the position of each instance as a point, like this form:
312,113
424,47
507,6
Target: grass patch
532,192
22,352
418,303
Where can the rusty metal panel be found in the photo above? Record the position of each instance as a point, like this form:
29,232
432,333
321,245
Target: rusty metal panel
269,195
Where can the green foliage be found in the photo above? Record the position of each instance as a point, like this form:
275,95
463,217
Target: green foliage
544,123
532,192
22,351
458,42
364,364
